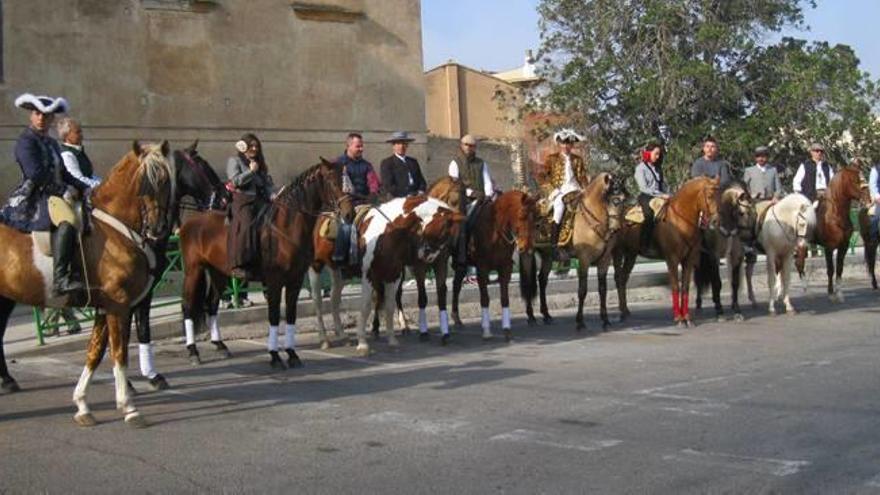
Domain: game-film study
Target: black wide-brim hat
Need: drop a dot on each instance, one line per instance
(42, 104)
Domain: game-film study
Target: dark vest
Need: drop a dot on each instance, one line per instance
(85, 165)
(470, 171)
(808, 185)
(357, 172)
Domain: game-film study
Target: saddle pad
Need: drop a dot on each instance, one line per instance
(43, 241)
(329, 227)
(872, 210)
(636, 215)
(360, 211)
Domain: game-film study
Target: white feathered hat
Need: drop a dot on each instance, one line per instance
(42, 104)
(567, 135)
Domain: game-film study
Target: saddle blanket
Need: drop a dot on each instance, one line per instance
(636, 215)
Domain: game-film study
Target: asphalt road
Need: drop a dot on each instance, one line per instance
(774, 404)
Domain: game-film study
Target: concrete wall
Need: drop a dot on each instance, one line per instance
(442, 150)
(213, 69)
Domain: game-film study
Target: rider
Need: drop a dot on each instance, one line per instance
(76, 161)
(649, 178)
(874, 188)
(761, 179)
(477, 183)
(814, 175)
(565, 172)
(360, 180)
(44, 175)
(251, 187)
(401, 174)
(709, 165)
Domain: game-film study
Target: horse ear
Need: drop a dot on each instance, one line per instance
(195, 145)
(608, 180)
(136, 147)
(324, 161)
(165, 147)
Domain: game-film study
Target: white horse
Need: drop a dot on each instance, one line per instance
(787, 226)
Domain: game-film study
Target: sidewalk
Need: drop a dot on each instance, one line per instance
(648, 281)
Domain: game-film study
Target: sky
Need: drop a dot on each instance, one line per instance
(495, 34)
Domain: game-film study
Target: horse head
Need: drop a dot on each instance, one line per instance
(155, 184)
(447, 189)
(196, 178)
(708, 199)
(614, 194)
(439, 232)
(517, 212)
(330, 191)
(847, 184)
(736, 211)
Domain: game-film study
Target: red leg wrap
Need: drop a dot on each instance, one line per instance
(676, 308)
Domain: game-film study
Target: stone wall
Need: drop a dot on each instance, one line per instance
(442, 150)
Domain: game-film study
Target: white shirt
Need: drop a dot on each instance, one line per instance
(488, 187)
(408, 173)
(72, 166)
(821, 180)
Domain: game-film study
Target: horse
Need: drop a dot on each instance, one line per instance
(784, 232)
(870, 243)
(677, 236)
(197, 181)
(498, 229)
(734, 229)
(285, 255)
(597, 218)
(389, 242)
(833, 225)
(116, 262)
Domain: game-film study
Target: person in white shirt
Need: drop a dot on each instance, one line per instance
(813, 176)
(76, 161)
(477, 183)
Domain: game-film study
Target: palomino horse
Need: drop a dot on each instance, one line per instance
(196, 180)
(129, 205)
(734, 227)
(598, 217)
(677, 235)
(833, 225)
(784, 232)
(498, 229)
(285, 254)
(389, 240)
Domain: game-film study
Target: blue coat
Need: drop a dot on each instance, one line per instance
(43, 175)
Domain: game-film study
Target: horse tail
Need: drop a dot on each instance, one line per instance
(528, 276)
(703, 272)
(197, 305)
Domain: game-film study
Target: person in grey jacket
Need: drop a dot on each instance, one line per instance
(649, 178)
(709, 165)
(251, 187)
(762, 179)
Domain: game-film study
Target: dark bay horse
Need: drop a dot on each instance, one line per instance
(833, 225)
(676, 239)
(285, 253)
(129, 206)
(499, 229)
(733, 229)
(598, 217)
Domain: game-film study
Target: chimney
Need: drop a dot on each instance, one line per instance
(529, 66)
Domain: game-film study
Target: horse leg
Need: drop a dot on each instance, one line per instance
(418, 272)
(786, 285)
(379, 291)
(543, 280)
(486, 321)
(398, 306)
(715, 278)
(623, 265)
(871, 261)
(841, 255)
(504, 289)
(8, 383)
(829, 266)
(672, 273)
(193, 287)
(388, 307)
(363, 347)
(273, 300)
(145, 346)
(457, 279)
(118, 328)
(530, 310)
(602, 269)
(315, 284)
(96, 349)
(735, 266)
(440, 267)
(687, 269)
(750, 271)
(771, 281)
(336, 301)
(219, 283)
(583, 274)
(291, 295)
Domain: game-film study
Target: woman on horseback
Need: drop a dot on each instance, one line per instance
(251, 187)
(649, 178)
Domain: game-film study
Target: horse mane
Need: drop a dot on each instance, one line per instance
(154, 165)
(294, 189)
(150, 169)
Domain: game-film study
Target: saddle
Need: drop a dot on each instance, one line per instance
(545, 223)
(635, 215)
(330, 227)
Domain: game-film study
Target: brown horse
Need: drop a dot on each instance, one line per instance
(498, 229)
(598, 217)
(870, 242)
(129, 206)
(677, 236)
(285, 255)
(833, 225)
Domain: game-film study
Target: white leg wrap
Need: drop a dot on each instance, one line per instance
(190, 331)
(290, 336)
(215, 328)
(146, 359)
(79, 393)
(423, 321)
(123, 400)
(444, 322)
(486, 320)
(505, 318)
(273, 338)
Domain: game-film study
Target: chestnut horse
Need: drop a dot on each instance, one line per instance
(677, 235)
(833, 225)
(598, 217)
(498, 229)
(129, 206)
(285, 255)
(870, 242)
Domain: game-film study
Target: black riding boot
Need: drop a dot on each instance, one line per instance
(645, 234)
(63, 244)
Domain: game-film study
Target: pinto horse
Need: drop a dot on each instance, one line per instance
(677, 236)
(598, 217)
(499, 228)
(285, 255)
(129, 206)
(833, 225)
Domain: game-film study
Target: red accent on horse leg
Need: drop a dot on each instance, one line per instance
(676, 311)
(685, 310)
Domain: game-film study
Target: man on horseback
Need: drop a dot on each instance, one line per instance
(814, 175)
(360, 180)
(251, 187)
(761, 179)
(477, 184)
(709, 165)
(401, 174)
(649, 178)
(565, 172)
(76, 161)
(44, 175)
(874, 189)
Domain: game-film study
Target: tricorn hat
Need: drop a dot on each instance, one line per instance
(42, 104)
(567, 136)
(400, 137)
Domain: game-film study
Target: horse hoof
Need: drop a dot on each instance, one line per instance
(158, 382)
(508, 335)
(690, 324)
(221, 349)
(720, 318)
(10, 385)
(275, 361)
(362, 350)
(532, 321)
(681, 324)
(791, 312)
(548, 320)
(405, 331)
(293, 360)
(85, 420)
(136, 420)
(488, 337)
(624, 315)
(444, 340)
(738, 317)
(424, 337)
(131, 389)
(375, 334)
(325, 345)
(194, 358)
(393, 342)
(606, 326)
